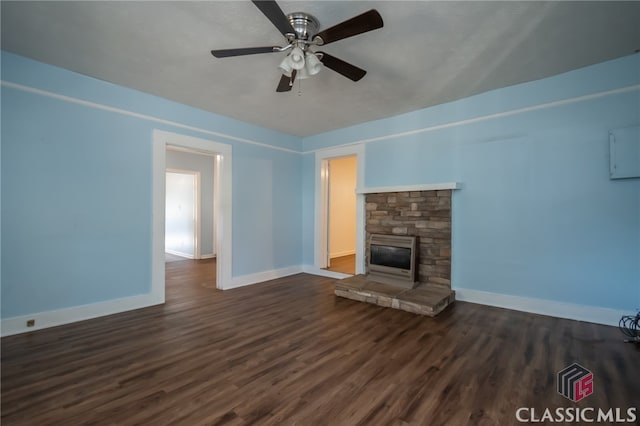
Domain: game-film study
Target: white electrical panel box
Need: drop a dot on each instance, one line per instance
(624, 149)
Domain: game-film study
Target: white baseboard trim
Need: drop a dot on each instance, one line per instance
(260, 277)
(57, 317)
(342, 253)
(594, 314)
(551, 308)
(208, 256)
(179, 253)
(310, 269)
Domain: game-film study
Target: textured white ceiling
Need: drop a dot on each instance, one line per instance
(427, 53)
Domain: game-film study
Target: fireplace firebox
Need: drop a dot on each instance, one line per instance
(392, 260)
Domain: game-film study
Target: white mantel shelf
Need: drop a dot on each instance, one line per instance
(406, 188)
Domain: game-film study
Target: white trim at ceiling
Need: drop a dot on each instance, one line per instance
(355, 142)
(137, 115)
(486, 117)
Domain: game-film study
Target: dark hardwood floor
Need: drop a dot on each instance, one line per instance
(288, 352)
(344, 264)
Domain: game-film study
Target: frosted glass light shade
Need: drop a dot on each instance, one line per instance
(286, 66)
(306, 64)
(297, 58)
(302, 74)
(312, 64)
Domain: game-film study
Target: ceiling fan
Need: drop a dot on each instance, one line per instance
(301, 33)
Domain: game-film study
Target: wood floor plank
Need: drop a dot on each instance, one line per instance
(344, 264)
(289, 352)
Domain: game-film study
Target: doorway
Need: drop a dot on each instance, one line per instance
(341, 214)
(203, 166)
(221, 155)
(326, 257)
(182, 214)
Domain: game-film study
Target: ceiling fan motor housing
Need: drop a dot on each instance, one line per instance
(305, 25)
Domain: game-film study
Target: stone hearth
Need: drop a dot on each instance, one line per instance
(424, 299)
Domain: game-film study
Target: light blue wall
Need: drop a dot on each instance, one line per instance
(272, 212)
(76, 189)
(76, 198)
(203, 164)
(537, 215)
(308, 213)
(18, 69)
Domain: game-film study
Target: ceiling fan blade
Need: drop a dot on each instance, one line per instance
(272, 11)
(225, 53)
(341, 67)
(286, 83)
(367, 21)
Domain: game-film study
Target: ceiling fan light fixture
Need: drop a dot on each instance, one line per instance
(286, 66)
(296, 58)
(302, 74)
(312, 64)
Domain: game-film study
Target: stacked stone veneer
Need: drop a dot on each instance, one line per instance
(426, 214)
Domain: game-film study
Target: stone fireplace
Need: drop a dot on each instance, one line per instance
(425, 214)
(418, 211)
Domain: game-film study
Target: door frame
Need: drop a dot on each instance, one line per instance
(222, 204)
(321, 216)
(197, 228)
